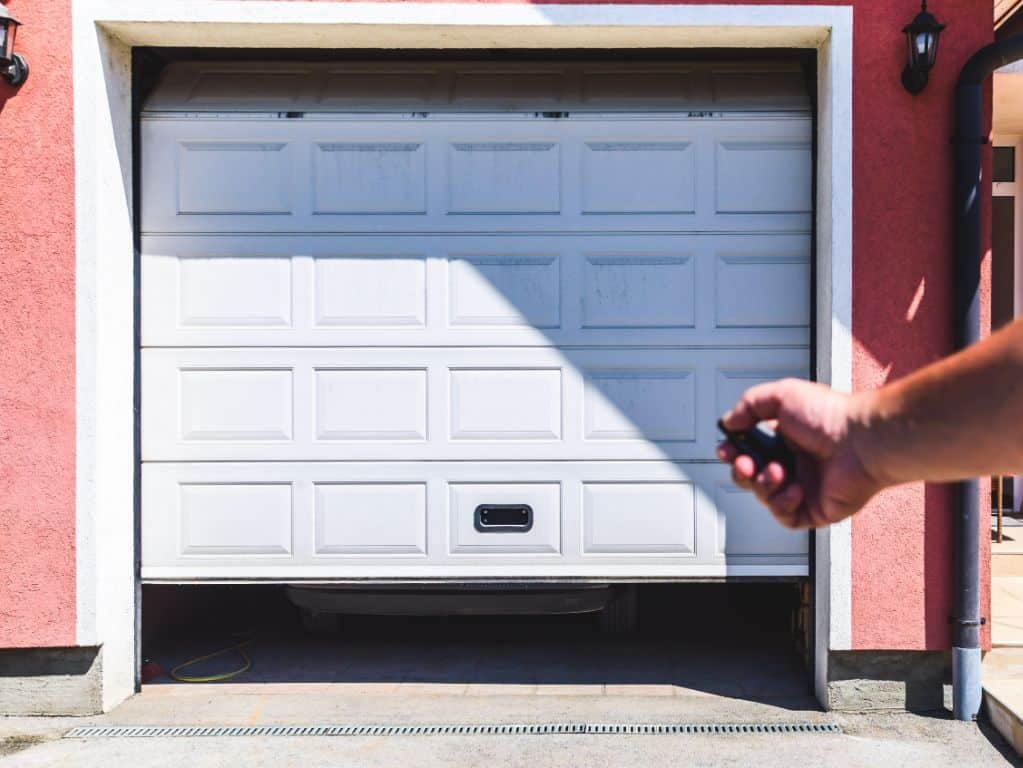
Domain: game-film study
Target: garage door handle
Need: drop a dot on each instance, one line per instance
(503, 518)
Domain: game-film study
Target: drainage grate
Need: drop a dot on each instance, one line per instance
(531, 729)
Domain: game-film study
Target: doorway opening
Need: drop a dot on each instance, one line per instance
(758, 623)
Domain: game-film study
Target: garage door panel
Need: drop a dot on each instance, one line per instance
(740, 532)
(640, 518)
(762, 291)
(353, 518)
(439, 173)
(219, 86)
(415, 520)
(234, 519)
(736, 377)
(369, 177)
(505, 290)
(638, 177)
(543, 537)
(395, 404)
(234, 405)
(505, 404)
(473, 290)
(369, 289)
(656, 405)
(764, 175)
(483, 170)
(360, 329)
(233, 292)
(638, 291)
(240, 177)
(370, 404)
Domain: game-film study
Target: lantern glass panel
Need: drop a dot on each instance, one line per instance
(922, 43)
(6, 40)
(932, 52)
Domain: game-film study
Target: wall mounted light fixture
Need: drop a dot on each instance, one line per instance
(13, 67)
(922, 36)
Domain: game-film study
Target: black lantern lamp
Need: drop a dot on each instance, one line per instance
(13, 67)
(922, 35)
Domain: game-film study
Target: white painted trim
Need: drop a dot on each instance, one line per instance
(104, 309)
(105, 30)
(834, 254)
(372, 25)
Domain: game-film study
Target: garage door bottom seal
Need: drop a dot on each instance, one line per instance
(532, 729)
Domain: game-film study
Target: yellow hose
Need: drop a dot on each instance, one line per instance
(240, 648)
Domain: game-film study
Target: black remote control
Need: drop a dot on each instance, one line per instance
(762, 447)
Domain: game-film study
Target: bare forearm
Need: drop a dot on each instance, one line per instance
(958, 418)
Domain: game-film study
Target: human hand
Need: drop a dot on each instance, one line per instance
(831, 479)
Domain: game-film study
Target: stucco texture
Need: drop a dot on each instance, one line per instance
(902, 565)
(37, 350)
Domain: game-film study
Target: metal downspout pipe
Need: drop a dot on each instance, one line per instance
(969, 140)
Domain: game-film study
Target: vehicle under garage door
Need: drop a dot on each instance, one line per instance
(465, 320)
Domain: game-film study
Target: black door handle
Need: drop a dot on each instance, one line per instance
(503, 518)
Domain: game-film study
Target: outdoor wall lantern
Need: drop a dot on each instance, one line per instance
(13, 67)
(922, 35)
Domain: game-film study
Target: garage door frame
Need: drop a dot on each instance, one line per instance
(107, 589)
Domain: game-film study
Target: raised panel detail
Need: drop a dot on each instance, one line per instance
(638, 292)
(370, 290)
(370, 404)
(360, 88)
(744, 527)
(499, 88)
(506, 404)
(630, 87)
(504, 177)
(236, 405)
(235, 519)
(648, 405)
(543, 537)
(732, 382)
(759, 88)
(252, 86)
(505, 290)
(367, 177)
(639, 518)
(764, 176)
(236, 177)
(370, 519)
(639, 177)
(759, 291)
(226, 291)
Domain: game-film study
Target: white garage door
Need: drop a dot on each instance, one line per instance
(465, 321)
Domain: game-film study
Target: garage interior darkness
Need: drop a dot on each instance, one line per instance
(734, 640)
(742, 636)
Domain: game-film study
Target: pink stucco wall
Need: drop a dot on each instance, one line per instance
(37, 337)
(901, 291)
